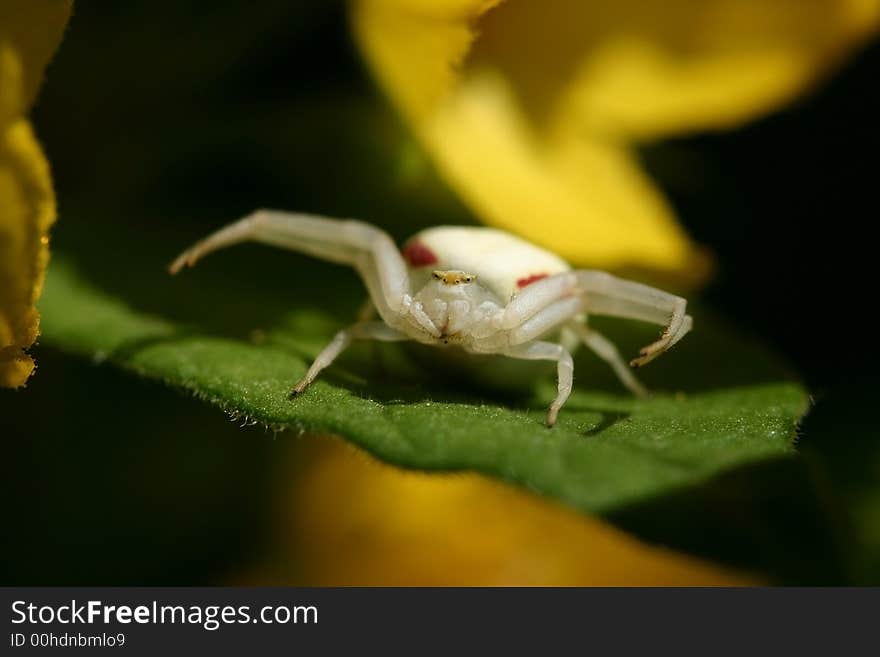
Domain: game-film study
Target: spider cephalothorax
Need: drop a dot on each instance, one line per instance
(479, 289)
(452, 277)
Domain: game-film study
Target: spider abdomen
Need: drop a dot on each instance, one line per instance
(502, 263)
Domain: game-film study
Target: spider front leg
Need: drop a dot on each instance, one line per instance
(608, 295)
(565, 313)
(361, 331)
(366, 248)
(600, 294)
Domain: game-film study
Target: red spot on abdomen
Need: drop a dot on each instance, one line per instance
(418, 255)
(528, 280)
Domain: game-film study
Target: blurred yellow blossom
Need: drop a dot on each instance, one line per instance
(30, 31)
(354, 521)
(532, 109)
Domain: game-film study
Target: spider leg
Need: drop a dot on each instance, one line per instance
(605, 349)
(564, 370)
(608, 295)
(361, 331)
(604, 294)
(546, 320)
(366, 248)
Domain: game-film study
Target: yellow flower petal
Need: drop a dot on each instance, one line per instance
(357, 521)
(587, 200)
(29, 32)
(530, 108)
(27, 210)
(650, 68)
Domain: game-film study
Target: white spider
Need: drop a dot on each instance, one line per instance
(479, 289)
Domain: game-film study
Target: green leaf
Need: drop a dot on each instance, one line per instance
(241, 328)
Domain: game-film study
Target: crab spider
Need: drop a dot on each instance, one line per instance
(478, 289)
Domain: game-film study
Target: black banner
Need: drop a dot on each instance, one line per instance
(285, 620)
